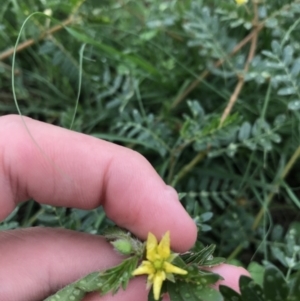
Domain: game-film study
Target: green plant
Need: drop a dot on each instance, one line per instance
(206, 90)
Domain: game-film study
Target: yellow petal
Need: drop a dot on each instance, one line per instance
(170, 268)
(158, 280)
(163, 248)
(241, 2)
(150, 278)
(145, 268)
(149, 281)
(151, 247)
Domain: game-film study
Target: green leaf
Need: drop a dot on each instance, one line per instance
(291, 194)
(199, 256)
(203, 257)
(90, 283)
(188, 293)
(181, 195)
(206, 216)
(173, 291)
(275, 286)
(66, 294)
(119, 276)
(245, 131)
(201, 277)
(214, 262)
(229, 294)
(195, 285)
(286, 91)
(183, 291)
(279, 255)
(276, 47)
(108, 281)
(113, 52)
(271, 23)
(296, 67)
(257, 272)
(294, 105)
(208, 294)
(192, 291)
(250, 291)
(294, 294)
(288, 53)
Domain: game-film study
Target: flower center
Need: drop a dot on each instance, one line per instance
(158, 264)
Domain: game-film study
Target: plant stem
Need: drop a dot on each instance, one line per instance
(286, 170)
(188, 167)
(9, 52)
(269, 199)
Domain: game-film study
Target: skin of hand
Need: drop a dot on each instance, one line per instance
(64, 168)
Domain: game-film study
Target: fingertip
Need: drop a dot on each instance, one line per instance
(138, 200)
(174, 218)
(231, 275)
(184, 236)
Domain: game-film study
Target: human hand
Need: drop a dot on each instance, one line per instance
(79, 171)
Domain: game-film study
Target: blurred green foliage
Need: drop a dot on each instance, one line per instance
(157, 78)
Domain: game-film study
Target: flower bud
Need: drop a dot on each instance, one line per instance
(123, 246)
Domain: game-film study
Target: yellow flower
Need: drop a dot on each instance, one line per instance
(158, 265)
(241, 2)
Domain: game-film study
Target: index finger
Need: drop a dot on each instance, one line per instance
(76, 170)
